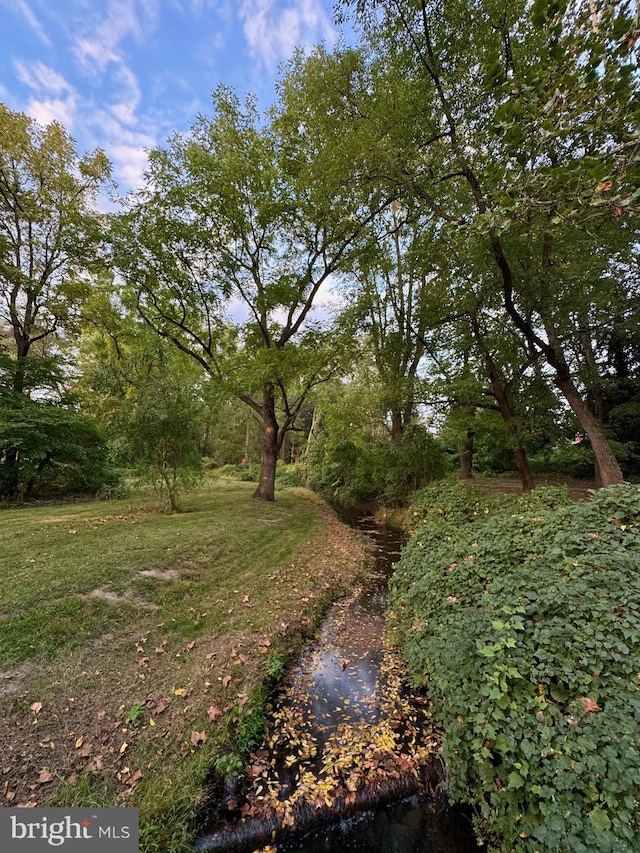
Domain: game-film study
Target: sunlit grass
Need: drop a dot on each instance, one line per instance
(101, 601)
(54, 558)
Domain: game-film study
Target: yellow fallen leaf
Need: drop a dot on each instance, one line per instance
(79, 742)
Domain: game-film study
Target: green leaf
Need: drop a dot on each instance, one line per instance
(599, 820)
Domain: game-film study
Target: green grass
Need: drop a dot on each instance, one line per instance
(52, 556)
(235, 570)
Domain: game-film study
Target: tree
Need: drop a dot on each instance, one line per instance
(523, 127)
(227, 248)
(147, 395)
(393, 303)
(49, 232)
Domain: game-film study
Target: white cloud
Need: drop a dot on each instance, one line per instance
(51, 109)
(273, 32)
(124, 18)
(41, 77)
(126, 146)
(27, 13)
(53, 98)
(125, 108)
(130, 163)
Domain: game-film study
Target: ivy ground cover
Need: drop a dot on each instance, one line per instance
(521, 618)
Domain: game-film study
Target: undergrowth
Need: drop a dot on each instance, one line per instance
(522, 619)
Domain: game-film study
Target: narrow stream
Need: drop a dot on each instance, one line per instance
(342, 709)
(410, 825)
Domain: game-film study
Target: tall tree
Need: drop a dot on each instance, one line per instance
(529, 125)
(243, 221)
(393, 303)
(49, 233)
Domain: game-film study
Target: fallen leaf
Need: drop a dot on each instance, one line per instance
(214, 713)
(46, 776)
(86, 750)
(36, 707)
(79, 742)
(123, 748)
(197, 738)
(190, 645)
(182, 692)
(132, 781)
(95, 765)
(589, 705)
(226, 680)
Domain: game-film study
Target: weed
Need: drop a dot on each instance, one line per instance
(134, 716)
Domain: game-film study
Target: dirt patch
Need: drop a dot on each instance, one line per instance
(112, 597)
(161, 574)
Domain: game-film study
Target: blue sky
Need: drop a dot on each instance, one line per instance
(122, 75)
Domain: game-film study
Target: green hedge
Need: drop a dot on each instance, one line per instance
(523, 622)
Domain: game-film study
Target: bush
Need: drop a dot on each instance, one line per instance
(452, 502)
(49, 450)
(525, 626)
(374, 469)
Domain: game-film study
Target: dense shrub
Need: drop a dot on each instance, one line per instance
(524, 625)
(49, 450)
(374, 468)
(452, 502)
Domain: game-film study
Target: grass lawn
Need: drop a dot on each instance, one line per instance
(135, 646)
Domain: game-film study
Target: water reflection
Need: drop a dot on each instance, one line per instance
(405, 827)
(344, 728)
(340, 677)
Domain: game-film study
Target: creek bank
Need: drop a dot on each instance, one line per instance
(347, 747)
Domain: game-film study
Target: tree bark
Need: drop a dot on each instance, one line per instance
(466, 464)
(397, 423)
(271, 443)
(500, 392)
(607, 471)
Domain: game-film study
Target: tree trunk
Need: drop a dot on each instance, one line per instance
(519, 454)
(500, 392)
(607, 471)
(466, 464)
(10, 473)
(522, 466)
(271, 442)
(397, 423)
